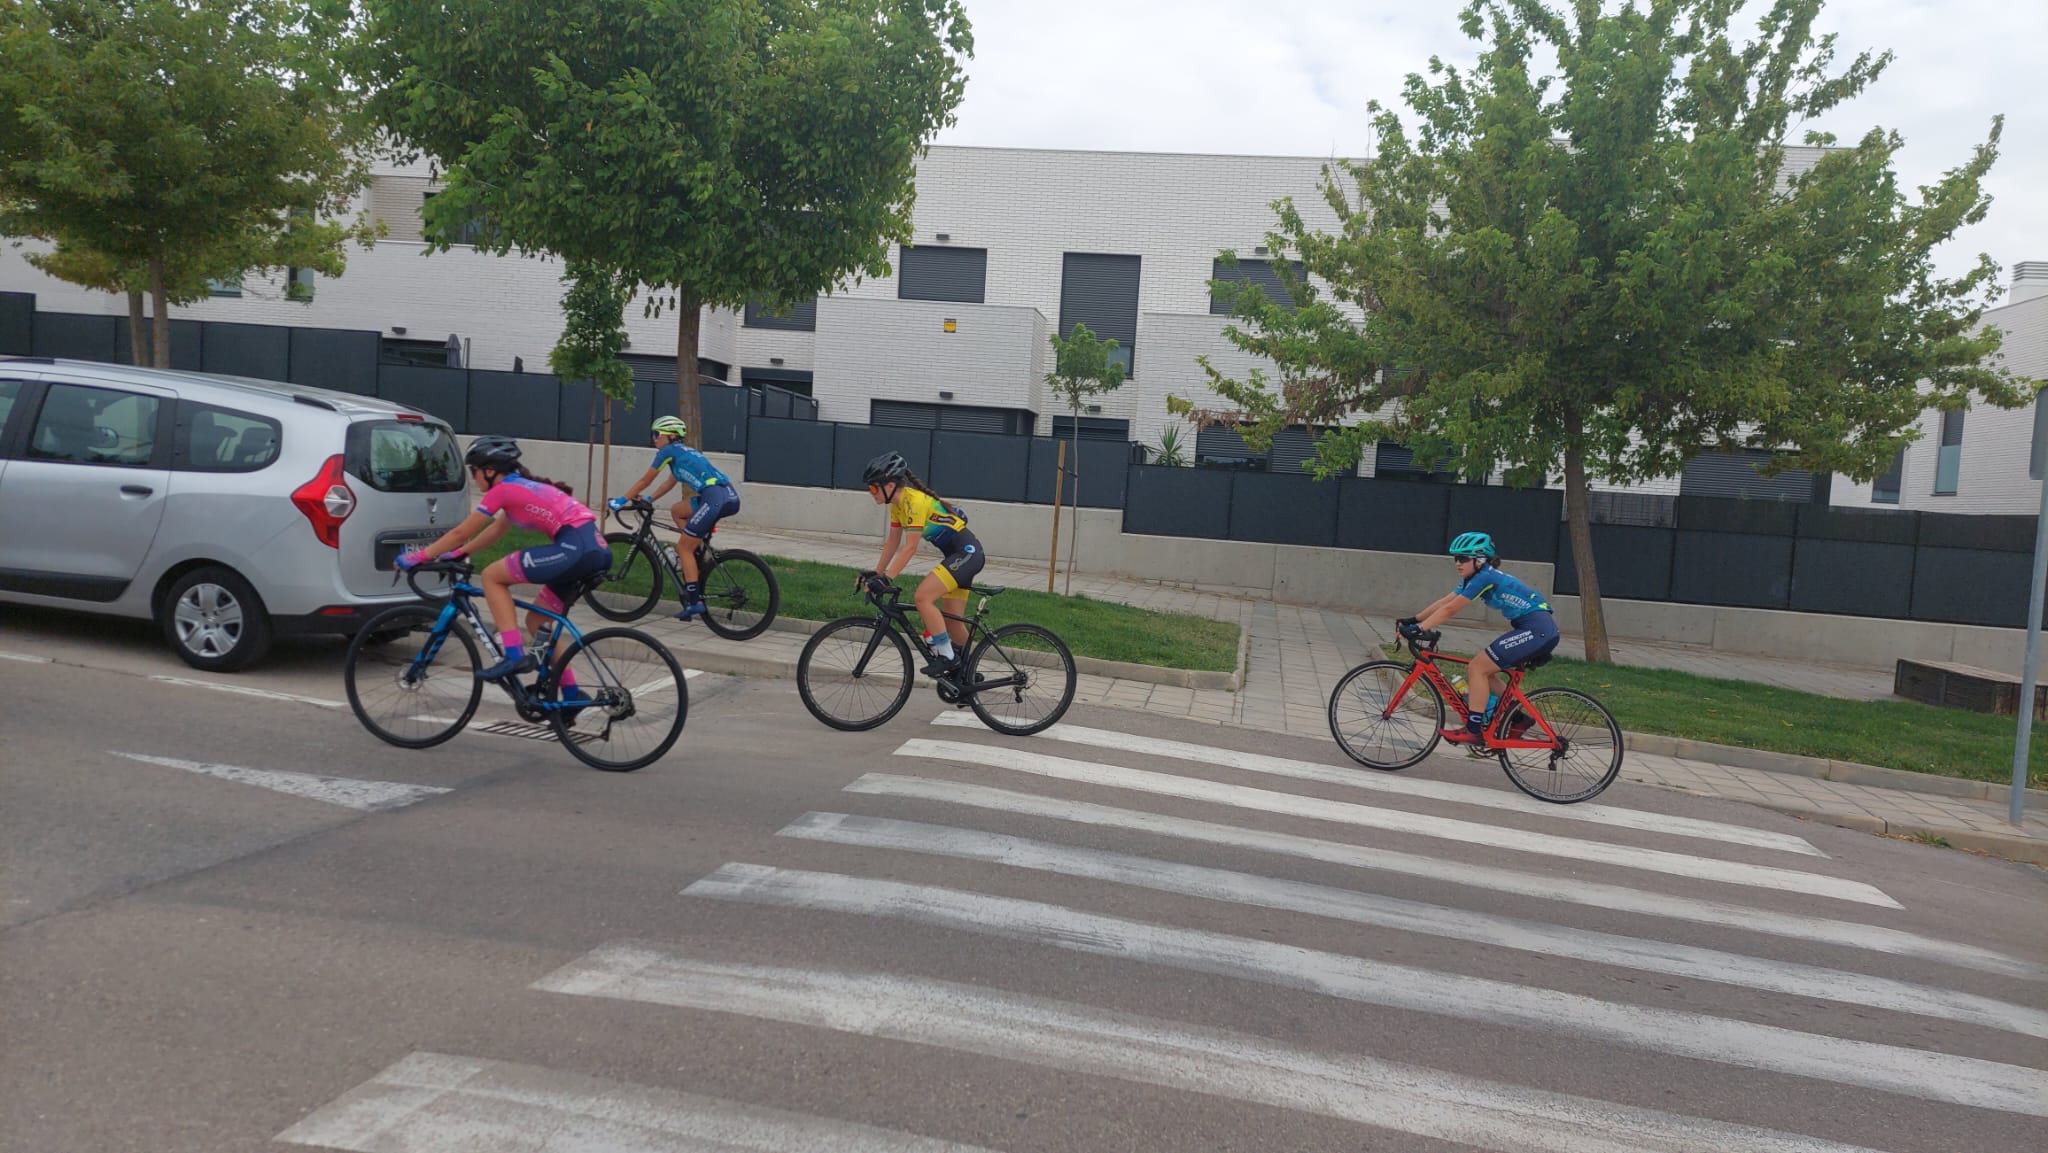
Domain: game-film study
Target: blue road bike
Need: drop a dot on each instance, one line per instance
(411, 677)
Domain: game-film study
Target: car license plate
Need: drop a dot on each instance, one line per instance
(391, 544)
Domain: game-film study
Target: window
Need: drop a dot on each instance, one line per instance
(955, 417)
(1948, 459)
(787, 379)
(224, 288)
(942, 273)
(1101, 291)
(1393, 461)
(798, 318)
(1885, 489)
(10, 391)
(1256, 272)
(404, 456)
(469, 231)
(96, 426)
(416, 353)
(298, 284)
(1220, 446)
(210, 439)
(1093, 428)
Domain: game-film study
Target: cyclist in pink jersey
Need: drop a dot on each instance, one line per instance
(514, 498)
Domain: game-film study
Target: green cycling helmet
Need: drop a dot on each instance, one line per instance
(671, 426)
(1474, 544)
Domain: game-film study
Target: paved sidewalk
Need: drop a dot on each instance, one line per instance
(1295, 655)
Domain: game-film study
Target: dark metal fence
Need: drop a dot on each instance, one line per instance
(533, 405)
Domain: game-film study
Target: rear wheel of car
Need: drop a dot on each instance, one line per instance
(215, 621)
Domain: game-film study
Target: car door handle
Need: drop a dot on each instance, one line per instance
(136, 489)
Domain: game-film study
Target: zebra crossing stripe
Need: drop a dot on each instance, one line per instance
(436, 1103)
(1910, 1072)
(1233, 1066)
(1849, 934)
(1354, 778)
(1416, 824)
(1700, 964)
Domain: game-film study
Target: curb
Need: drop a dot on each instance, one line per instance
(1093, 666)
(2026, 850)
(1844, 772)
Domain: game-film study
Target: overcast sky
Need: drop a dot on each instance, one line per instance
(1293, 77)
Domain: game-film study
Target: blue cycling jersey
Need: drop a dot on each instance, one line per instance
(689, 466)
(1504, 594)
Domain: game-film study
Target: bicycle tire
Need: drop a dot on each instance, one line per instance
(1063, 676)
(1358, 707)
(380, 658)
(737, 606)
(613, 600)
(620, 696)
(1585, 726)
(850, 637)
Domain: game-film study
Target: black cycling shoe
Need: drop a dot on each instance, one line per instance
(941, 668)
(508, 668)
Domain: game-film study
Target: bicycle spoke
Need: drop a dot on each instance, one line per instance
(638, 700)
(405, 686)
(1027, 678)
(1582, 760)
(1374, 727)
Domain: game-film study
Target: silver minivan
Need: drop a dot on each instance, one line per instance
(229, 510)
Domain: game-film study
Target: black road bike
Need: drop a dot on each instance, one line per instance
(740, 594)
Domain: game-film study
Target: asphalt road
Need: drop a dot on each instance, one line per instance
(931, 937)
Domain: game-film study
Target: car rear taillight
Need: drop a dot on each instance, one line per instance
(326, 501)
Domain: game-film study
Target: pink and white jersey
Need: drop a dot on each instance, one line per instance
(541, 507)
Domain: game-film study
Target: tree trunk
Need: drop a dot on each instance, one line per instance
(690, 403)
(138, 333)
(606, 494)
(1578, 514)
(161, 326)
(1059, 476)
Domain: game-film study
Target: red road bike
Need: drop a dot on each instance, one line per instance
(1556, 744)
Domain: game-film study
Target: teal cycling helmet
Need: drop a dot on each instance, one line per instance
(1474, 544)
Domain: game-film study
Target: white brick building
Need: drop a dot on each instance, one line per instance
(1010, 245)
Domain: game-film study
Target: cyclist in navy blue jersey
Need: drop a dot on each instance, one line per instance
(1532, 630)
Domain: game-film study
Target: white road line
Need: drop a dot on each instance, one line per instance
(1356, 778)
(1645, 955)
(1910, 1072)
(434, 1103)
(25, 658)
(1415, 824)
(367, 796)
(246, 691)
(1188, 1058)
(1521, 882)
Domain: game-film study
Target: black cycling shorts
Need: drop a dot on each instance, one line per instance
(958, 569)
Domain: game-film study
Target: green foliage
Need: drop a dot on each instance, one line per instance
(1082, 366)
(710, 150)
(201, 140)
(594, 332)
(1170, 452)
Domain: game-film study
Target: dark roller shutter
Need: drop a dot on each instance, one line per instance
(1259, 272)
(1291, 447)
(959, 274)
(651, 369)
(903, 414)
(1734, 474)
(1093, 428)
(1220, 446)
(800, 318)
(1101, 292)
(954, 417)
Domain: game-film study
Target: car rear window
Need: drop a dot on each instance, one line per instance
(404, 456)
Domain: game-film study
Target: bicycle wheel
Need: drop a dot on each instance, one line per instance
(1376, 730)
(740, 595)
(639, 700)
(854, 674)
(633, 585)
(1587, 755)
(408, 687)
(1040, 675)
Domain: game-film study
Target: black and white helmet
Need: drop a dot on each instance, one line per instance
(885, 468)
(497, 453)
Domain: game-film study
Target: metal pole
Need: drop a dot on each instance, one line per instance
(2032, 673)
(1059, 473)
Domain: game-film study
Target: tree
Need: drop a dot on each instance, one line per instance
(713, 151)
(160, 144)
(1083, 366)
(1605, 272)
(593, 335)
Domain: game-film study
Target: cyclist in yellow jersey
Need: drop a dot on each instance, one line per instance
(916, 512)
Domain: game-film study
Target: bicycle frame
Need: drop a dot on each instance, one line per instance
(893, 614)
(1425, 668)
(706, 554)
(461, 602)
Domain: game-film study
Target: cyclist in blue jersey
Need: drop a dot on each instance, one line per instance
(713, 498)
(1532, 631)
